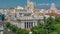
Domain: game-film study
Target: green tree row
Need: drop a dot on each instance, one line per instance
(50, 26)
(16, 29)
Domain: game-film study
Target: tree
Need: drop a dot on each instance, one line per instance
(45, 28)
(5, 33)
(49, 25)
(57, 24)
(18, 31)
(8, 24)
(21, 31)
(14, 28)
(39, 22)
(39, 29)
(57, 19)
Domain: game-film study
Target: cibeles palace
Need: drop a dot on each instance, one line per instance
(28, 16)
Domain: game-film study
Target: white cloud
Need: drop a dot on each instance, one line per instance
(43, 4)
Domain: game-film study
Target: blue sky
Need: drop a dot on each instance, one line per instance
(13, 3)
